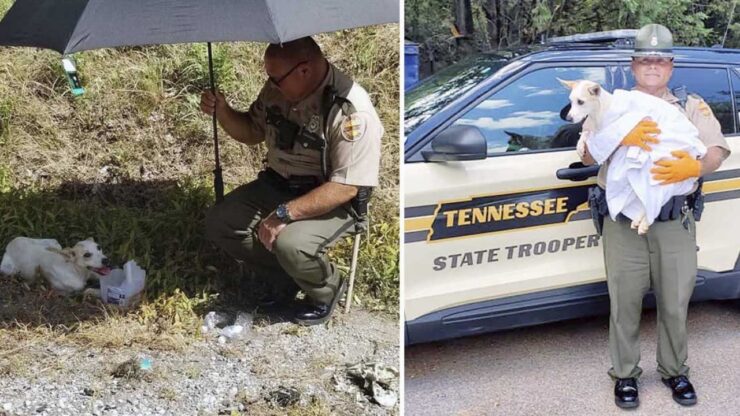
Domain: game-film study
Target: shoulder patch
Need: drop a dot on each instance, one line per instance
(353, 127)
(694, 101)
(704, 109)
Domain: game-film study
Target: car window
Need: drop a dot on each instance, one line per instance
(525, 115)
(436, 92)
(709, 83)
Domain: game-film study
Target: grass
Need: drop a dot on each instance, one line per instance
(130, 162)
(295, 330)
(15, 365)
(169, 394)
(32, 316)
(314, 406)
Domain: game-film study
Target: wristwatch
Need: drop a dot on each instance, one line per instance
(283, 214)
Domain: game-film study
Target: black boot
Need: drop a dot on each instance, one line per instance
(683, 391)
(625, 393)
(319, 313)
(277, 294)
(274, 298)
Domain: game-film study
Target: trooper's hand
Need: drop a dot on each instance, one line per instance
(676, 170)
(269, 229)
(210, 101)
(642, 134)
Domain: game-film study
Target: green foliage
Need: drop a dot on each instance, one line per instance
(427, 18)
(510, 23)
(160, 227)
(724, 17)
(175, 310)
(541, 16)
(429, 23)
(193, 72)
(4, 180)
(130, 162)
(5, 111)
(378, 260)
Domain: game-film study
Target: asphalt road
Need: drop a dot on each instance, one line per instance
(560, 369)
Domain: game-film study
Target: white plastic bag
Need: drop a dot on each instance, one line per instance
(122, 285)
(212, 320)
(240, 329)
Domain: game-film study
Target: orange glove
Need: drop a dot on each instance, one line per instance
(676, 170)
(642, 134)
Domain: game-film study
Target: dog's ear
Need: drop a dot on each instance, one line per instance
(67, 253)
(568, 84)
(594, 90)
(90, 239)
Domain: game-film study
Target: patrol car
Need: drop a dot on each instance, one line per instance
(497, 230)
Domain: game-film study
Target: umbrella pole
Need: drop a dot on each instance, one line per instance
(218, 180)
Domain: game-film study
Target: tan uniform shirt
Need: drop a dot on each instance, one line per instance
(353, 145)
(698, 112)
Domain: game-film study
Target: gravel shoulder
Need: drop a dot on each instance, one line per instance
(276, 368)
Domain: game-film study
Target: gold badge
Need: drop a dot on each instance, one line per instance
(353, 127)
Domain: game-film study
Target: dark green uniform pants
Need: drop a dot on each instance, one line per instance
(299, 253)
(664, 259)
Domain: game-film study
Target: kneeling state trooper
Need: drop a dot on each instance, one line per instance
(665, 258)
(323, 140)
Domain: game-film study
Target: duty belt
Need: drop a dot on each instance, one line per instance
(295, 184)
(673, 209)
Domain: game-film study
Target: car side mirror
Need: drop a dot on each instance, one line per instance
(457, 143)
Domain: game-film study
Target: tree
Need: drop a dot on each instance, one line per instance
(464, 17)
(496, 24)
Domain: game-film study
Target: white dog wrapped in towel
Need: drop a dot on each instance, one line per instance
(630, 187)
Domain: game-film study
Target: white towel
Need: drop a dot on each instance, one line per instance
(629, 184)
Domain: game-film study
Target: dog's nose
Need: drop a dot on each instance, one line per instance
(569, 118)
(106, 261)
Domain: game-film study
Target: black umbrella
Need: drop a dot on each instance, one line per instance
(69, 26)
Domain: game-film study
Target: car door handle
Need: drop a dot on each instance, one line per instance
(577, 172)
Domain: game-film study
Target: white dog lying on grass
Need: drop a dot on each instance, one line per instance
(630, 188)
(67, 270)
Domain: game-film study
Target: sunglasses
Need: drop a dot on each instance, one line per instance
(276, 82)
(644, 60)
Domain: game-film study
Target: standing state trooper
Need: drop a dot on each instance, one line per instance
(664, 258)
(323, 156)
